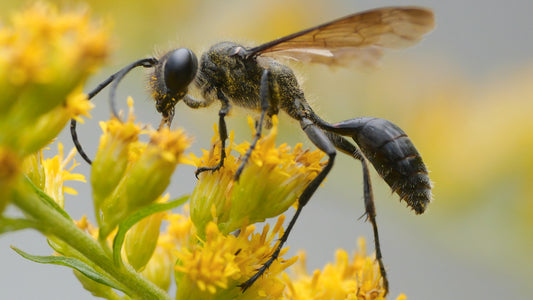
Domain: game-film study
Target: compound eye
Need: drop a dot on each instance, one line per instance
(180, 69)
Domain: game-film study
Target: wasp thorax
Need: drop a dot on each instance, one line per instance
(179, 70)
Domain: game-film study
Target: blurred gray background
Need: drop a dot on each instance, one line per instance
(462, 95)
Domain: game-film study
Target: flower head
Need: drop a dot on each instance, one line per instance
(128, 174)
(180, 231)
(358, 278)
(155, 165)
(272, 180)
(213, 267)
(50, 174)
(114, 154)
(45, 56)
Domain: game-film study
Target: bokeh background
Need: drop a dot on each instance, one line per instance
(464, 95)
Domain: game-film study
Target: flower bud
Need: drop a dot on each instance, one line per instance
(141, 240)
(146, 178)
(113, 155)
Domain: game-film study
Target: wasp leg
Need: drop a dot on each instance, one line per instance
(196, 103)
(223, 134)
(319, 138)
(346, 147)
(265, 96)
(147, 63)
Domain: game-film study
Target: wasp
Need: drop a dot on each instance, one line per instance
(252, 77)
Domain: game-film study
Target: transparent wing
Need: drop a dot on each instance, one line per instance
(360, 36)
(360, 57)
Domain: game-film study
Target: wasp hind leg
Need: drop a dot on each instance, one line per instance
(346, 147)
(319, 138)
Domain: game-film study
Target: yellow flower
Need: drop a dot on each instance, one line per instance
(128, 174)
(56, 173)
(180, 231)
(77, 105)
(149, 176)
(113, 155)
(215, 266)
(85, 225)
(270, 183)
(47, 126)
(51, 173)
(358, 278)
(45, 56)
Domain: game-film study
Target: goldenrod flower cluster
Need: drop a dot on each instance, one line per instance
(207, 254)
(128, 174)
(357, 278)
(272, 172)
(45, 56)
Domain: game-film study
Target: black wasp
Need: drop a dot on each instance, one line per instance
(251, 78)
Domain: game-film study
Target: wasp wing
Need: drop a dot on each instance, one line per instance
(360, 36)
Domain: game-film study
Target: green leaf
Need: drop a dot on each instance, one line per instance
(8, 224)
(47, 199)
(73, 263)
(142, 213)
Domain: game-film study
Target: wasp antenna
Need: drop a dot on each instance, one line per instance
(73, 122)
(146, 62)
(74, 135)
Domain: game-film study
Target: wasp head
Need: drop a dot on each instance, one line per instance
(171, 78)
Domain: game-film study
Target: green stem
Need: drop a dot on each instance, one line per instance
(54, 223)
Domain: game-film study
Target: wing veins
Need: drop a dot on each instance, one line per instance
(390, 27)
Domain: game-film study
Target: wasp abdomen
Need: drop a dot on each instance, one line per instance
(394, 157)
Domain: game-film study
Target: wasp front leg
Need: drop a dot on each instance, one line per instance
(223, 135)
